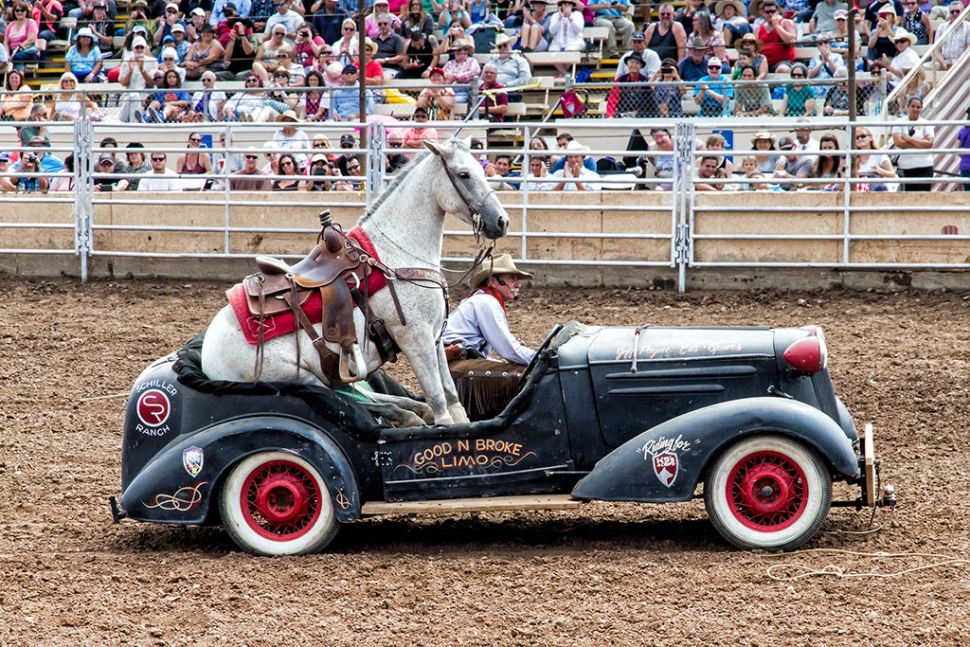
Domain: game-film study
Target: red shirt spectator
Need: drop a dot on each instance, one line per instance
(496, 104)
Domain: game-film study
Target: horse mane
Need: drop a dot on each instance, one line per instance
(408, 168)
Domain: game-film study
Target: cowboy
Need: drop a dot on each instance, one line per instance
(512, 69)
(479, 326)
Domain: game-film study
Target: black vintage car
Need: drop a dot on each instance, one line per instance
(643, 414)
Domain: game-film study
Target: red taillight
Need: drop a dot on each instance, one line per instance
(809, 354)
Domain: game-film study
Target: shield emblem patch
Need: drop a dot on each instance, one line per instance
(666, 466)
(192, 460)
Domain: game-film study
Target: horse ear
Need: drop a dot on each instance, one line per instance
(433, 147)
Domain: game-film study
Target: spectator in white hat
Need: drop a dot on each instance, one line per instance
(906, 57)
(83, 59)
(163, 24)
(137, 73)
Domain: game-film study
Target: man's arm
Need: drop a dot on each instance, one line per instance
(495, 329)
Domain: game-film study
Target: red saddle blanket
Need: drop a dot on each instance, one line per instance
(275, 326)
(285, 323)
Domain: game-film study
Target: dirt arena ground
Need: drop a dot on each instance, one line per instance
(610, 575)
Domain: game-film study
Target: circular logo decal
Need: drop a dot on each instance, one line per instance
(154, 407)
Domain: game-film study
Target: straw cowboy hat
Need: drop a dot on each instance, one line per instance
(289, 115)
(739, 7)
(575, 147)
(902, 33)
(748, 39)
(501, 264)
(764, 134)
(501, 39)
(370, 46)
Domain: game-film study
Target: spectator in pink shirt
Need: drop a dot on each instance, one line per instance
(419, 133)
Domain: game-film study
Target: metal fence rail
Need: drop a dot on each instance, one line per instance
(619, 226)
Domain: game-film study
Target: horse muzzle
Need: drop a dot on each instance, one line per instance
(493, 219)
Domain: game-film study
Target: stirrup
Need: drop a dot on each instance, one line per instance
(352, 364)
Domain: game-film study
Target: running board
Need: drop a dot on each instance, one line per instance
(490, 504)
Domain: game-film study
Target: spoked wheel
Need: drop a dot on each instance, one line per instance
(275, 503)
(768, 492)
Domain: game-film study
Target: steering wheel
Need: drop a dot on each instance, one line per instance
(535, 358)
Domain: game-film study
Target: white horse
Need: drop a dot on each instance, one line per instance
(406, 227)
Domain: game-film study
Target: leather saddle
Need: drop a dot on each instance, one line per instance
(331, 268)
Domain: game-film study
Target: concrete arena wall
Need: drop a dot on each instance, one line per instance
(622, 212)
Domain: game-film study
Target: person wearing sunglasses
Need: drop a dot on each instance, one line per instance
(778, 35)
(870, 162)
(161, 178)
(957, 38)
(916, 22)
(346, 48)
(195, 161)
(714, 92)
(390, 47)
(250, 177)
(137, 73)
(906, 57)
(21, 37)
(73, 105)
(286, 17)
(799, 96)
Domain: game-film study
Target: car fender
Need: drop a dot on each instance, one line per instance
(665, 463)
(178, 484)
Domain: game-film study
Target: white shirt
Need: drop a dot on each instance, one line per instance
(586, 177)
(167, 181)
(291, 20)
(536, 183)
(904, 61)
(921, 131)
(480, 321)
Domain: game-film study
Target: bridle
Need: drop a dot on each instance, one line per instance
(474, 206)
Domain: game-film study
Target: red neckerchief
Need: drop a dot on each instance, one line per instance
(495, 293)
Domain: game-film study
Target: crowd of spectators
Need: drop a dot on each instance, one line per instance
(305, 55)
(299, 61)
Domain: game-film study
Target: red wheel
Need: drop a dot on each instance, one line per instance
(276, 503)
(768, 492)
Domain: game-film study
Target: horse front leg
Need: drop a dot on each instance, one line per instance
(424, 360)
(455, 407)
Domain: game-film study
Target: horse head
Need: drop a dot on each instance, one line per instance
(472, 199)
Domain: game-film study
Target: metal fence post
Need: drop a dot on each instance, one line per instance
(83, 193)
(682, 198)
(375, 162)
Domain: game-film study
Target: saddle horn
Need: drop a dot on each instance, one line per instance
(330, 234)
